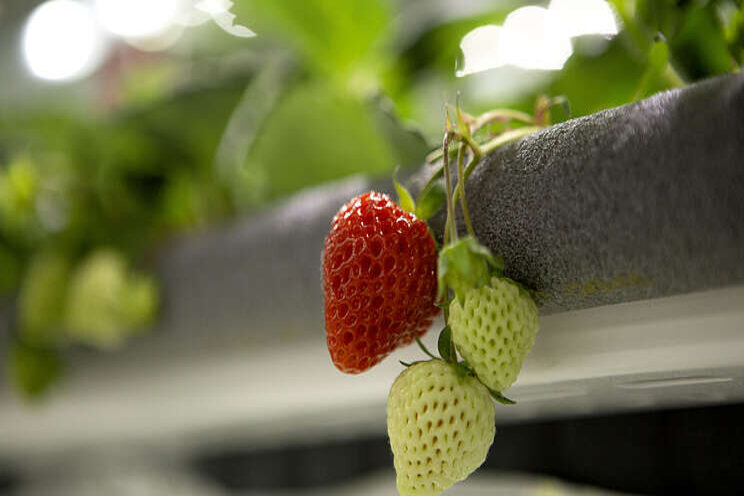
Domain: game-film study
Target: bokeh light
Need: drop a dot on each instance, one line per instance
(534, 37)
(137, 18)
(61, 40)
(531, 40)
(480, 48)
(583, 17)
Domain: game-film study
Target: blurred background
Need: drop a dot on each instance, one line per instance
(134, 133)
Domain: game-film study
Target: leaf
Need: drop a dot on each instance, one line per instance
(497, 267)
(423, 348)
(336, 37)
(466, 264)
(444, 303)
(497, 262)
(614, 76)
(658, 58)
(405, 200)
(501, 398)
(331, 134)
(464, 369)
(431, 200)
(447, 119)
(32, 369)
(544, 113)
(445, 345)
(408, 144)
(42, 298)
(700, 47)
(462, 126)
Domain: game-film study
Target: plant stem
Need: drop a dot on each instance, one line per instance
(506, 138)
(642, 43)
(501, 115)
(493, 144)
(461, 188)
(423, 347)
(450, 232)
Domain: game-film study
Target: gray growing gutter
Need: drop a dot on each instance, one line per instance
(636, 202)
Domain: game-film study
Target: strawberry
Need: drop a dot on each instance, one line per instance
(441, 425)
(494, 329)
(379, 281)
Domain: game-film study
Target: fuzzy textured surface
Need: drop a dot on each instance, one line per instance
(440, 426)
(379, 281)
(494, 330)
(631, 203)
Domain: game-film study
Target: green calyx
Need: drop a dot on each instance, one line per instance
(405, 199)
(448, 353)
(429, 201)
(465, 264)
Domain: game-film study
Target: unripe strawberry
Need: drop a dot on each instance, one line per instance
(379, 281)
(440, 424)
(107, 302)
(494, 330)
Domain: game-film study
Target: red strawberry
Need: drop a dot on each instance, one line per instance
(379, 281)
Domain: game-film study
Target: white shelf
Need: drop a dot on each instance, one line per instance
(677, 351)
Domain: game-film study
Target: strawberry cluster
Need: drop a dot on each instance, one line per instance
(383, 284)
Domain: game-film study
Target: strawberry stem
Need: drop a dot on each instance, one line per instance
(423, 348)
(461, 188)
(450, 231)
(500, 397)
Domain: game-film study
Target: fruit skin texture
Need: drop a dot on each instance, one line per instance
(440, 425)
(494, 330)
(379, 281)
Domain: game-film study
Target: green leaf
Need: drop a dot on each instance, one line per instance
(408, 144)
(337, 37)
(431, 200)
(562, 102)
(445, 345)
(316, 133)
(462, 126)
(464, 369)
(497, 262)
(32, 369)
(700, 47)
(444, 302)
(501, 398)
(614, 76)
(448, 119)
(42, 298)
(405, 200)
(466, 264)
(658, 58)
(497, 267)
(423, 348)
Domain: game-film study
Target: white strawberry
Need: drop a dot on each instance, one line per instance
(441, 425)
(494, 329)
